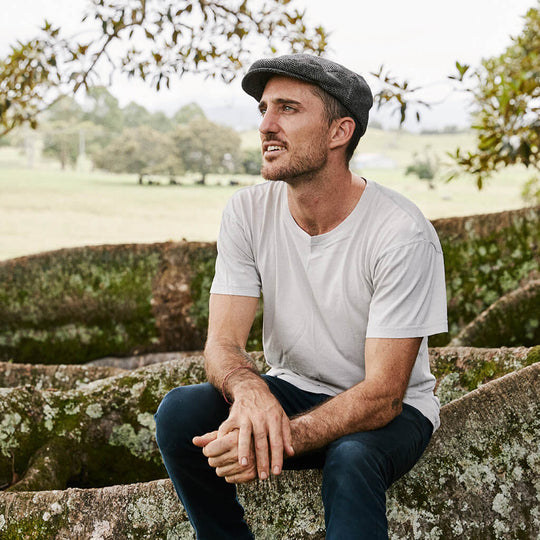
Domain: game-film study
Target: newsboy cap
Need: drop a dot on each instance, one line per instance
(349, 88)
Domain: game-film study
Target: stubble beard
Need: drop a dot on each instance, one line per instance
(297, 169)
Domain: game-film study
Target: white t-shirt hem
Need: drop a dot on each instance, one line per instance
(406, 332)
(234, 291)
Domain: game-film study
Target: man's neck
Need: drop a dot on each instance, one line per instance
(321, 204)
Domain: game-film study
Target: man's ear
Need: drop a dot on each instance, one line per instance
(342, 132)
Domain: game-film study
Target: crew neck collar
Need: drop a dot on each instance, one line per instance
(342, 229)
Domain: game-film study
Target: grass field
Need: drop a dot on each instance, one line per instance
(44, 208)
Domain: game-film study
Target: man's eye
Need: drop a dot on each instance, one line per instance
(262, 112)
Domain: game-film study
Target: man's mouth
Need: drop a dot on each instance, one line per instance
(272, 148)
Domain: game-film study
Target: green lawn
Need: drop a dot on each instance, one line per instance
(44, 208)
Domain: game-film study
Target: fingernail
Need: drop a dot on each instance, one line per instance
(244, 461)
(263, 476)
(276, 470)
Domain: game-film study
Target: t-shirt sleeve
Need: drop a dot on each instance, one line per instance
(236, 272)
(409, 293)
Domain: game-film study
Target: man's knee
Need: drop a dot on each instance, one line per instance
(187, 411)
(351, 459)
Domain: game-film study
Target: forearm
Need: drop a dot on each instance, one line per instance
(230, 320)
(363, 407)
(222, 357)
(262, 427)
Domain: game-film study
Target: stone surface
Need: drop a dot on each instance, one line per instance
(477, 479)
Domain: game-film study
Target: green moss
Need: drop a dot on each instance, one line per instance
(30, 528)
(533, 356)
(485, 262)
(75, 305)
(203, 267)
(473, 377)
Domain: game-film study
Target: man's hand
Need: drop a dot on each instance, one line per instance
(222, 454)
(262, 426)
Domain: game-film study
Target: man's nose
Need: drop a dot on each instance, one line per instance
(269, 123)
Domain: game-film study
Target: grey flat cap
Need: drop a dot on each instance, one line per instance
(349, 88)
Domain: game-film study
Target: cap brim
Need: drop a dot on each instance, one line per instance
(254, 82)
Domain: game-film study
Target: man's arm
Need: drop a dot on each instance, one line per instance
(255, 413)
(368, 405)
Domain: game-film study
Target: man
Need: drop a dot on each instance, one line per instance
(353, 282)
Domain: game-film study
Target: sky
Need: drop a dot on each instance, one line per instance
(419, 40)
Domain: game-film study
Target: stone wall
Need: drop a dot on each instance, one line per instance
(477, 479)
(75, 305)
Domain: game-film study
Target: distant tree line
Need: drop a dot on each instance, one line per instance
(132, 139)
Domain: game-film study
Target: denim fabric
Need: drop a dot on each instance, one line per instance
(357, 468)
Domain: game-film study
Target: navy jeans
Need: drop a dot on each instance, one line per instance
(357, 468)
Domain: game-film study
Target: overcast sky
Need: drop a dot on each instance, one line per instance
(416, 39)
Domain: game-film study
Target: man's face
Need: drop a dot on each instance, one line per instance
(294, 131)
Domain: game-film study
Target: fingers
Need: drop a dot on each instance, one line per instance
(260, 442)
(263, 436)
(202, 440)
(244, 444)
(287, 437)
(280, 438)
(222, 447)
(275, 438)
(222, 454)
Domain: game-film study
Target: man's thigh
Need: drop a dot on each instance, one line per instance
(393, 449)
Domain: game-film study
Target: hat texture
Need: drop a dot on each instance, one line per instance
(349, 88)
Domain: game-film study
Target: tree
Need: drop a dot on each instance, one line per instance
(251, 161)
(206, 147)
(153, 40)
(425, 167)
(189, 112)
(61, 131)
(140, 150)
(506, 94)
(135, 115)
(102, 108)
(62, 143)
(505, 91)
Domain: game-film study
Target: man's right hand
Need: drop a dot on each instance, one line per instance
(255, 413)
(258, 416)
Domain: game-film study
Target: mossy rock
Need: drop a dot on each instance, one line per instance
(478, 479)
(486, 256)
(76, 305)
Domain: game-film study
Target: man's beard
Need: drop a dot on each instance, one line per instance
(298, 168)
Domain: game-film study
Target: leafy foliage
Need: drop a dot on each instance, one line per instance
(28, 78)
(141, 150)
(73, 305)
(397, 94)
(486, 257)
(206, 147)
(155, 40)
(189, 112)
(424, 166)
(506, 93)
(251, 159)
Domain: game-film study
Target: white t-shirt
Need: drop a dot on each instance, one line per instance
(378, 274)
